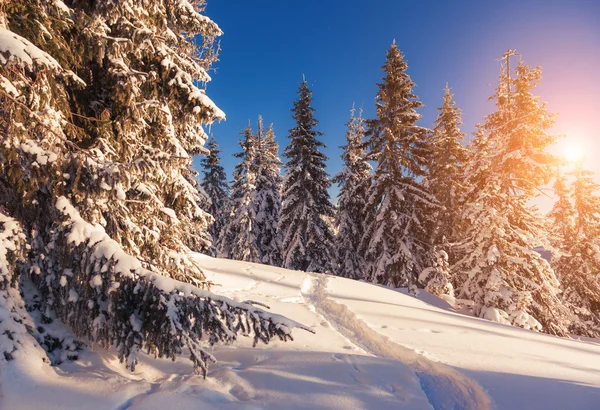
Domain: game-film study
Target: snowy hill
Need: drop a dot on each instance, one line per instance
(374, 348)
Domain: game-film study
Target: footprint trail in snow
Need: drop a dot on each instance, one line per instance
(445, 387)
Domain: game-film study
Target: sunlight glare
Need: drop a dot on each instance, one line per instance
(572, 151)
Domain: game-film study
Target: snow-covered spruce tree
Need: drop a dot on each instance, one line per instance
(354, 182)
(238, 237)
(561, 217)
(214, 183)
(445, 170)
(498, 268)
(267, 197)
(306, 234)
(578, 263)
(445, 181)
(100, 114)
(395, 244)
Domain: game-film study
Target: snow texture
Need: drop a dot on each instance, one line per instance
(15, 49)
(375, 348)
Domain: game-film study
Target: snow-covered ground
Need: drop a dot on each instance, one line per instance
(374, 348)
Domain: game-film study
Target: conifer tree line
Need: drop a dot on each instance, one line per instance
(424, 208)
(252, 212)
(281, 221)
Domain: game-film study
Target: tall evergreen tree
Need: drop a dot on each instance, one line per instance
(306, 234)
(354, 182)
(214, 183)
(445, 170)
(239, 239)
(101, 113)
(445, 181)
(499, 270)
(395, 243)
(267, 198)
(562, 214)
(578, 264)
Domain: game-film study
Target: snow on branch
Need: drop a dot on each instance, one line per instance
(14, 320)
(15, 49)
(132, 307)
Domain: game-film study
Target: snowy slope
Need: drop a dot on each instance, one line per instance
(374, 348)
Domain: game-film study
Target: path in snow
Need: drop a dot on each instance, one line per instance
(375, 348)
(445, 387)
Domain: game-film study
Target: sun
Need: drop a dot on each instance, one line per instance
(572, 151)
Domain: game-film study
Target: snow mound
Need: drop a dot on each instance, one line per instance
(374, 348)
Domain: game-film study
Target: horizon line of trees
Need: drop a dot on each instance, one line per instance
(419, 208)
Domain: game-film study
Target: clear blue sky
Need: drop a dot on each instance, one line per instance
(340, 46)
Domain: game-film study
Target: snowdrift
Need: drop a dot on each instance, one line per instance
(374, 348)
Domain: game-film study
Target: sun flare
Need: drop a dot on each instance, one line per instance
(572, 151)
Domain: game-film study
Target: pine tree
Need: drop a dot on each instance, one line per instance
(214, 183)
(306, 234)
(578, 264)
(251, 231)
(499, 270)
(445, 171)
(562, 213)
(100, 116)
(395, 243)
(445, 180)
(354, 182)
(239, 239)
(267, 198)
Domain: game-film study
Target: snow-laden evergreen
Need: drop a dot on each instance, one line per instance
(437, 278)
(148, 114)
(559, 221)
(35, 137)
(498, 270)
(251, 231)
(306, 209)
(14, 320)
(354, 182)
(445, 180)
(561, 217)
(101, 113)
(216, 189)
(267, 197)
(395, 244)
(577, 220)
(239, 238)
(445, 170)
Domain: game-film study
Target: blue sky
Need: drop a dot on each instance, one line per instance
(340, 46)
